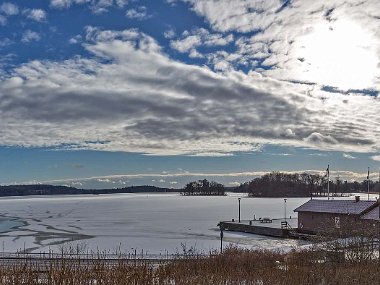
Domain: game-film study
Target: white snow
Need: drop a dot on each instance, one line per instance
(156, 223)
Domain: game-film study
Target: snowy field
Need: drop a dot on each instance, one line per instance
(155, 223)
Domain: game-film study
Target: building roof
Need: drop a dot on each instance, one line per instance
(372, 215)
(336, 206)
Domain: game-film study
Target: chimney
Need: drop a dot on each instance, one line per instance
(357, 198)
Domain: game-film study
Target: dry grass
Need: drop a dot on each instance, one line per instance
(234, 266)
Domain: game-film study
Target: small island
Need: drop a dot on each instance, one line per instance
(204, 188)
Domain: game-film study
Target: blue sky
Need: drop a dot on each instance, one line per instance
(111, 93)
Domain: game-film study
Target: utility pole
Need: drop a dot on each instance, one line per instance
(239, 208)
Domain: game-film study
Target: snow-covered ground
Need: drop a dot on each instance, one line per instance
(155, 223)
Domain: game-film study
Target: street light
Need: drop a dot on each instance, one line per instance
(239, 208)
(285, 209)
(221, 239)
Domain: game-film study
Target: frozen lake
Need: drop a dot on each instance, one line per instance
(156, 223)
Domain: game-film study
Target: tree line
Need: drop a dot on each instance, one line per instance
(279, 184)
(41, 189)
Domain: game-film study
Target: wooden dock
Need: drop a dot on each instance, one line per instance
(268, 227)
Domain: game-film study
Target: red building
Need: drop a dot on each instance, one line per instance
(328, 216)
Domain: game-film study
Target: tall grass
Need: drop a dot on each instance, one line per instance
(234, 266)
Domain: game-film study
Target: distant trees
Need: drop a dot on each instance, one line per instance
(204, 187)
(279, 184)
(40, 189)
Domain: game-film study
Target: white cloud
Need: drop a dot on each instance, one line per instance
(66, 3)
(186, 44)
(9, 9)
(140, 100)
(121, 3)
(171, 2)
(375, 157)
(280, 154)
(289, 133)
(318, 139)
(243, 16)
(334, 43)
(101, 6)
(106, 180)
(191, 40)
(139, 13)
(169, 34)
(348, 156)
(318, 154)
(75, 40)
(38, 15)
(122, 182)
(195, 54)
(30, 36)
(96, 6)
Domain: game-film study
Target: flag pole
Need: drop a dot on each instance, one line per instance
(368, 183)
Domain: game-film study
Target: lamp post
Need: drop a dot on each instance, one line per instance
(285, 209)
(239, 208)
(221, 239)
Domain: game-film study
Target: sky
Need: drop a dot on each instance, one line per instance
(114, 93)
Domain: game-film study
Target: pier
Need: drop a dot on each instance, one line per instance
(279, 228)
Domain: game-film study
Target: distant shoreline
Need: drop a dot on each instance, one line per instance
(46, 190)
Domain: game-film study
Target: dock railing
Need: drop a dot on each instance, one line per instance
(286, 226)
(107, 257)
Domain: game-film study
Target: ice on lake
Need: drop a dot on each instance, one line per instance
(155, 223)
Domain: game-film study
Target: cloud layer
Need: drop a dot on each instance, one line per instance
(131, 96)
